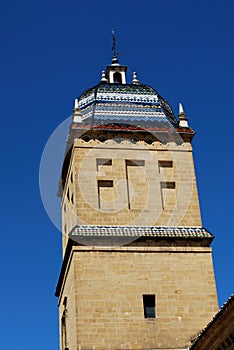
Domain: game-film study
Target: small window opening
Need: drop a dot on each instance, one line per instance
(63, 325)
(72, 199)
(105, 183)
(149, 305)
(117, 78)
(168, 185)
(64, 330)
(68, 194)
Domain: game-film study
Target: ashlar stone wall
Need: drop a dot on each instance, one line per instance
(105, 287)
(130, 184)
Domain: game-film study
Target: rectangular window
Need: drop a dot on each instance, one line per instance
(149, 305)
(68, 194)
(63, 325)
(105, 183)
(168, 185)
(64, 330)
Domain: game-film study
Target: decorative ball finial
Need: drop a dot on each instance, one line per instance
(104, 76)
(134, 79)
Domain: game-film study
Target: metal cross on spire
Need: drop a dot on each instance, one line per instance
(116, 54)
(113, 43)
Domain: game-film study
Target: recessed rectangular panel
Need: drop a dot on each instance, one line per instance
(168, 194)
(103, 162)
(105, 194)
(137, 185)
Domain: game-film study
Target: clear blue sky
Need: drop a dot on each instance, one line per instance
(50, 52)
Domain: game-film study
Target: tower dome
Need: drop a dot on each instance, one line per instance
(115, 104)
(122, 106)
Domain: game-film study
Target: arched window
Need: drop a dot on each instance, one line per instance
(117, 78)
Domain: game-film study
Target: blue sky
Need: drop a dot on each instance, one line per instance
(53, 50)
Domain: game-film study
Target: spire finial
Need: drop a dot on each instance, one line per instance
(181, 109)
(76, 104)
(134, 78)
(76, 112)
(104, 76)
(183, 120)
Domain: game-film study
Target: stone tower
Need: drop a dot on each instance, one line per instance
(137, 269)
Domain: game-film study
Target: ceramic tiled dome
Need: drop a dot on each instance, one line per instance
(138, 105)
(114, 104)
